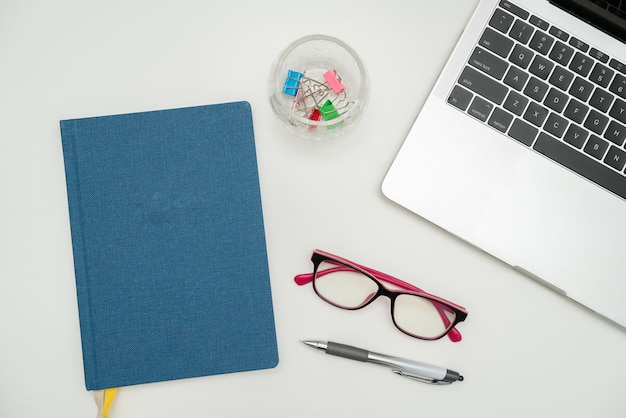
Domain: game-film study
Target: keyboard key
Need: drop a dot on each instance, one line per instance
(536, 114)
(496, 42)
(576, 136)
(596, 147)
(618, 86)
(521, 56)
(616, 158)
(581, 164)
(523, 132)
(480, 108)
(615, 133)
(541, 67)
(516, 10)
(559, 33)
(599, 55)
(581, 89)
(516, 103)
(541, 42)
(516, 78)
(601, 100)
(596, 122)
(501, 20)
(483, 85)
(576, 111)
(618, 111)
(536, 89)
(601, 75)
(540, 23)
(488, 63)
(556, 125)
(562, 53)
(556, 100)
(581, 64)
(578, 44)
(561, 78)
(460, 97)
(521, 31)
(617, 65)
(500, 119)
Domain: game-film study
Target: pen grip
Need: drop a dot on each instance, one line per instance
(347, 351)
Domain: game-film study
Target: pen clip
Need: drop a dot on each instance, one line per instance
(419, 378)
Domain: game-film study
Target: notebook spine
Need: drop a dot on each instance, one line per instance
(81, 268)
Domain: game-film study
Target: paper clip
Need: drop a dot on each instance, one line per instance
(292, 83)
(314, 90)
(302, 104)
(334, 81)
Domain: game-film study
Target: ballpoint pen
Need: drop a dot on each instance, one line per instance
(411, 369)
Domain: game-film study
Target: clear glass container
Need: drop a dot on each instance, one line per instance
(318, 86)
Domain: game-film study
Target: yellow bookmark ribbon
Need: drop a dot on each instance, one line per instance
(104, 400)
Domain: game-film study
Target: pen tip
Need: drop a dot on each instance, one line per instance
(461, 378)
(315, 344)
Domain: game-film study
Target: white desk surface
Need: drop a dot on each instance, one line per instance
(526, 351)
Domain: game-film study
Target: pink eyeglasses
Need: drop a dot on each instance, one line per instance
(351, 286)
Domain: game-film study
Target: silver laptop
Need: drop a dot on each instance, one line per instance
(520, 147)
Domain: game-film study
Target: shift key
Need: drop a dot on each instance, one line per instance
(483, 85)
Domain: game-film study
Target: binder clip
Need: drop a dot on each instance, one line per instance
(334, 81)
(329, 111)
(292, 83)
(316, 115)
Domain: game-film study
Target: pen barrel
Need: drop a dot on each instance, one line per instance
(347, 351)
(410, 367)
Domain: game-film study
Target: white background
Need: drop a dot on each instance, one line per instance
(525, 352)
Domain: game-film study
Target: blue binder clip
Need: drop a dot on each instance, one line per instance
(292, 83)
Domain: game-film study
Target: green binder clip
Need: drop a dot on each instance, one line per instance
(329, 111)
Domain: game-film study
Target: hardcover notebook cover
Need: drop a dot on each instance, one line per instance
(169, 245)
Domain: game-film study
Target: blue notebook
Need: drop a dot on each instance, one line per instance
(169, 245)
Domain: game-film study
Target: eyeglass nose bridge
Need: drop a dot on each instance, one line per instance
(392, 295)
(383, 291)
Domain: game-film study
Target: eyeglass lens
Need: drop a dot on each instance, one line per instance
(347, 288)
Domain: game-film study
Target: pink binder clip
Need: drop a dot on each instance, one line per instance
(334, 81)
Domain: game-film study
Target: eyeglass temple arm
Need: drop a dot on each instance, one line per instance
(301, 279)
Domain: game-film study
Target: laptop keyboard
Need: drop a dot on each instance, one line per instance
(550, 91)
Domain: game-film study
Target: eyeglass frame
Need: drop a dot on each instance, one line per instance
(319, 256)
